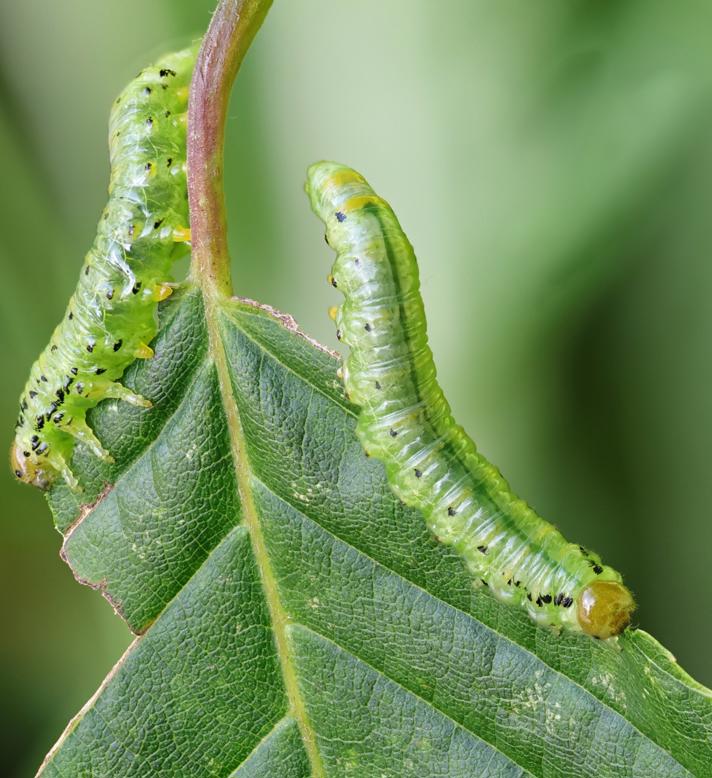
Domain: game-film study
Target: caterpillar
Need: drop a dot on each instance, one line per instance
(112, 315)
(405, 421)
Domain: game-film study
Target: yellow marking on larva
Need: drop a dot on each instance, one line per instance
(342, 177)
(181, 234)
(333, 311)
(181, 94)
(162, 292)
(360, 201)
(143, 352)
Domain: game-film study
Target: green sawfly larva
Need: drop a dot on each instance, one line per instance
(405, 421)
(112, 315)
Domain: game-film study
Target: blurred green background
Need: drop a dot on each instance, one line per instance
(552, 164)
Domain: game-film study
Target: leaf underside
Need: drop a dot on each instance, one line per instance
(400, 666)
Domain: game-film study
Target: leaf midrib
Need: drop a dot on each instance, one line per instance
(250, 517)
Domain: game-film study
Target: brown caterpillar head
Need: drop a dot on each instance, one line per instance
(605, 608)
(27, 470)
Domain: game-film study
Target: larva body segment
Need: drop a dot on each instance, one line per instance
(112, 315)
(406, 422)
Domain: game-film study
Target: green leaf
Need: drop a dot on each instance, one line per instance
(294, 619)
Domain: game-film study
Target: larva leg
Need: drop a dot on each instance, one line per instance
(163, 292)
(67, 474)
(118, 391)
(83, 432)
(143, 351)
(181, 234)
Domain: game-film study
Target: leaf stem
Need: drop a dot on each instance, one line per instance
(224, 46)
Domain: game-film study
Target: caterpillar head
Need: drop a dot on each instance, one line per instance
(605, 608)
(27, 468)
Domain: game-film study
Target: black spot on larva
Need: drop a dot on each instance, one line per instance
(118, 345)
(68, 381)
(169, 161)
(71, 316)
(484, 582)
(326, 240)
(529, 597)
(338, 334)
(378, 385)
(109, 294)
(18, 473)
(147, 90)
(33, 393)
(517, 583)
(39, 422)
(451, 511)
(100, 370)
(73, 370)
(509, 581)
(131, 230)
(333, 282)
(583, 551)
(149, 121)
(482, 549)
(53, 348)
(567, 602)
(60, 395)
(23, 405)
(80, 387)
(558, 599)
(58, 417)
(86, 270)
(43, 378)
(148, 165)
(90, 346)
(43, 448)
(357, 261)
(52, 409)
(341, 217)
(538, 601)
(157, 224)
(25, 453)
(35, 442)
(546, 598)
(367, 327)
(163, 72)
(136, 288)
(597, 569)
(167, 114)
(418, 473)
